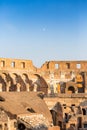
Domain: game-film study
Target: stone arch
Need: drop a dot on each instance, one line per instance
(20, 82)
(21, 126)
(2, 84)
(4, 75)
(71, 87)
(12, 78)
(29, 83)
(25, 77)
(41, 83)
(26, 81)
(8, 80)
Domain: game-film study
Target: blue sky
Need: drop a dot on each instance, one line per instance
(43, 30)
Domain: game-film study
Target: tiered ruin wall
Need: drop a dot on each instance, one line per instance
(18, 70)
(58, 68)
(20, 75)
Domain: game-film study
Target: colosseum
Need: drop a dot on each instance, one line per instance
(61, 84)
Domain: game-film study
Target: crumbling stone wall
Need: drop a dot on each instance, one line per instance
(74, 108)
(20, 75)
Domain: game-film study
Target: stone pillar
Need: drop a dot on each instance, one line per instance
(18, 87)
(27, 86)
(85, 80)
(55, 88)
(85, 89)
(52, 83)
(35, 87)
(49, 91)
(0, 87)
(8, 86)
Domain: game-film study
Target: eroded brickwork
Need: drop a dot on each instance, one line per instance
(55, 71)
(63, 82)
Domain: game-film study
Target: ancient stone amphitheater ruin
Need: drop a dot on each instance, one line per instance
(63, 84)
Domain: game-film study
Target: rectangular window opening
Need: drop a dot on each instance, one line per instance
(64, 104)
(78, 66)
(68, 65)
(47, 65)
(13, 64)
(2, 63)
(73, 104)
(22, 65)
(56, 66)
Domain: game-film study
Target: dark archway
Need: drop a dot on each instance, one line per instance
(2, 81)
(21, 126)
(13, 86)
(28, 81)
(42, 84)
(71, 88)
(21, 82)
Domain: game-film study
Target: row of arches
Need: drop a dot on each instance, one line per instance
(16, 82)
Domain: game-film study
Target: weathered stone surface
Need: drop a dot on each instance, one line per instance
(61, 81)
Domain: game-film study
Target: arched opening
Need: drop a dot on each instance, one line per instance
(2, 99)
(2, 84)
(42, 84)
(21, 126)
(19, 82)
(25, 78)
(71, 89)
(26, 81)
(13, 86)
(8, 80)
